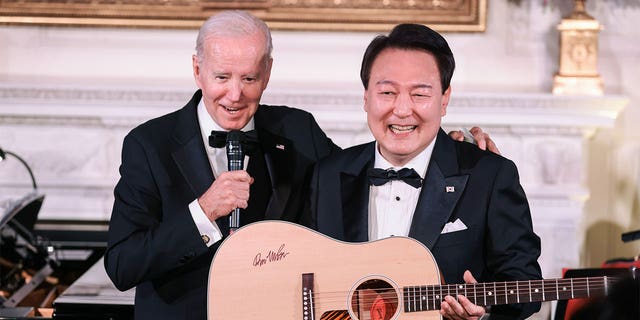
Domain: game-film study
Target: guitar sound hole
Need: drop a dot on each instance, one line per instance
(374, 299)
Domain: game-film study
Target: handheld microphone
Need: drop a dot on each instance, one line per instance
(235, 161)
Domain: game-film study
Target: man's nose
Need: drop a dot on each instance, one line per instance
(403, 105)
(234, 90)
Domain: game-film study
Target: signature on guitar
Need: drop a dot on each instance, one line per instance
(271, 256)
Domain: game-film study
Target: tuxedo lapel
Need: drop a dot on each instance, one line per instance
(354, 191)
(189, 153)
(440, 193)
(280, 164)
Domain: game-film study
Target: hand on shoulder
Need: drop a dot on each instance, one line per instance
(476, 136)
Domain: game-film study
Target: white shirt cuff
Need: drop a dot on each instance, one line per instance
(209, 231)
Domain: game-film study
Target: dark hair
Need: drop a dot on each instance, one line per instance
(411, 37)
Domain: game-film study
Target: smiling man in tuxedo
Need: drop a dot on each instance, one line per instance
(465, 204)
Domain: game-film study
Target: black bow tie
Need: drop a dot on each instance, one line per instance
(248, 139)
(378, 177)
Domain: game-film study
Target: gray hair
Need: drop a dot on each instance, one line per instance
(233, 23)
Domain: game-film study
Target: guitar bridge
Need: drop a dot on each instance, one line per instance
(307, 296)
(308, 303)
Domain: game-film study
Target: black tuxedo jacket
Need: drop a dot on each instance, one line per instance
(478, 187)
(154, 244)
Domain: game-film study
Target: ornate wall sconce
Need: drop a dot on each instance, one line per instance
(578, 72)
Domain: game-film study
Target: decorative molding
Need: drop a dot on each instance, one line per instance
(22, 93)
(36, 120)
(127, 107)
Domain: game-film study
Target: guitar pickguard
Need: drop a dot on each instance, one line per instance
(336, 315)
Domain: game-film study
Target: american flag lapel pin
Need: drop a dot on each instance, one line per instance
(450, 189)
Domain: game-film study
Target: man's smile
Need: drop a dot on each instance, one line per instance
(398, 129)
(231, 110)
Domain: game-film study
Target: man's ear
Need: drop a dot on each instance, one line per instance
(365, 106)
(445, 102)
(196, 70)
(267, 73)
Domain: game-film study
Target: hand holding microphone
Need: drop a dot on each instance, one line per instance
(230, 191)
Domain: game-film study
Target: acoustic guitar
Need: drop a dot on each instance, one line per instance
(279, 270)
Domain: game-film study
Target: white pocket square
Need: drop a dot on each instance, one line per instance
(457, 225)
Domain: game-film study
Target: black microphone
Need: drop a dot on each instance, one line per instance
(235, 161)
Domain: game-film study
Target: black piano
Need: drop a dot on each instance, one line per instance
(93, 296)
(53, 269)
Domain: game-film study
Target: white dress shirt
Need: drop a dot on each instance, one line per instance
(209, 231)
(391, 205)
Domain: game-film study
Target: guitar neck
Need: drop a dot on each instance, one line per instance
(424, 298)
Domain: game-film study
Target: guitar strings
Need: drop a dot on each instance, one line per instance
(499, 289)
(546, 288)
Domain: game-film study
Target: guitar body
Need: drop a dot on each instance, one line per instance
(257, 273)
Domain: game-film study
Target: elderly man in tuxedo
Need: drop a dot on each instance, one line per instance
(465, 204)
(174, 194)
